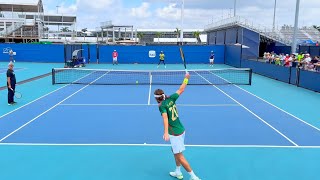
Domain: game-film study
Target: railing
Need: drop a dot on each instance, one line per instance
(240, 21)
(15, 26)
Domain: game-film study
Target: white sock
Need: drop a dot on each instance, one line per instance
(192, 174)
(178, 171)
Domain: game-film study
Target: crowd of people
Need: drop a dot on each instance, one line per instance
(299, 60)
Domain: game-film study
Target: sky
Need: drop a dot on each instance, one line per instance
(165, 14)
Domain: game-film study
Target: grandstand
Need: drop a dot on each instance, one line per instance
(258, 38)
(305, 35)
(25, 21)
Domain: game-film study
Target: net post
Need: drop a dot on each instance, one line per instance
(53, 76)
(250, 77)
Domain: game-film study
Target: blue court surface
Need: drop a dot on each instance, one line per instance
(115, 132)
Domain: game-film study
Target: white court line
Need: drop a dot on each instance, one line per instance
(191, 105)
(160, 145)
(318, 129)
(42, 97)
(49, 109)
(149, 98)
(250, 111)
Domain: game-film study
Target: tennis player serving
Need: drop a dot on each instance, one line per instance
(173, 128)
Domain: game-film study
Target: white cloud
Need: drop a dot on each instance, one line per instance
(95, 5)
(170, 12)
(198, 13)
(142, 11)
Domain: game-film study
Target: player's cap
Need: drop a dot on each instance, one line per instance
(114, 50)
(10, 64)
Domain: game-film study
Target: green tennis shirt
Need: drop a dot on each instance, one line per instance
(169, 106)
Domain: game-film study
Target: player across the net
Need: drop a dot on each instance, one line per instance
(147, 77)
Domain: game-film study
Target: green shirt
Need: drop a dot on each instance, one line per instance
(169, 106)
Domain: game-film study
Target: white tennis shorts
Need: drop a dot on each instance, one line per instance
(211, 60)
(177, 143)
(115, 59)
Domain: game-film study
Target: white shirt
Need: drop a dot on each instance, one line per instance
(308, 59)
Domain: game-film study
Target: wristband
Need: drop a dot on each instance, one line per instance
(185, 81)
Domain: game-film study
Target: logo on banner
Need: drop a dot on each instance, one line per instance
(152, 54)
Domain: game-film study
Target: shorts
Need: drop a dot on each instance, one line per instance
(177, 143)
(211, 60)
(115, 59)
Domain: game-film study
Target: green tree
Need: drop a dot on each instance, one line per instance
(196, 34)
(65, 29)
(84, 30)
(158, 35)
(140, 36)
(178, 32)
(316, 27)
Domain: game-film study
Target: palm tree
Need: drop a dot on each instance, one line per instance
(316, 27)
(196, 34)
(177, 31)
(140, 36)
(158, 35)
(65, 29)
(84, 30)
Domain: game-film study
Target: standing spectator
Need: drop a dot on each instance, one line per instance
(11, 84)
(115, 57)
(287, 60)
(307, 61)
(211, 58)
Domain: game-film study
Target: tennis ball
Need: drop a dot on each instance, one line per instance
(137, 82)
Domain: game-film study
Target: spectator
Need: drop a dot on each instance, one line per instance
(307, 62)
(287, 60)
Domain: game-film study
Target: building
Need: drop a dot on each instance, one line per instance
(25, 21)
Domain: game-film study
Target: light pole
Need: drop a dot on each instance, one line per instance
(57, 9)
(182, 19)
(274, 15)
(296, 22)
(235, 8)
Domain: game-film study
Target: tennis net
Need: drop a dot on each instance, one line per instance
(144, 77)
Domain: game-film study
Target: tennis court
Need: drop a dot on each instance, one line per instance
(89, 131)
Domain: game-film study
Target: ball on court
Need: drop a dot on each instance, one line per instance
(137, 82)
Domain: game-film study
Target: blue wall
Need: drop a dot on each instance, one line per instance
(282, 49)
(280, 73)
(231, 36)
(251, 39)
(140, 54)
(233, 56)
(211, 38)
(34, 52)
(309, 80)
(220, 39)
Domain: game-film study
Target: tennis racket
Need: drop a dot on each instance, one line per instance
(183, 59)
(17, 94)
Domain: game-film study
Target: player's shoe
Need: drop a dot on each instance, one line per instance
(195, 178)
(174, 174)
